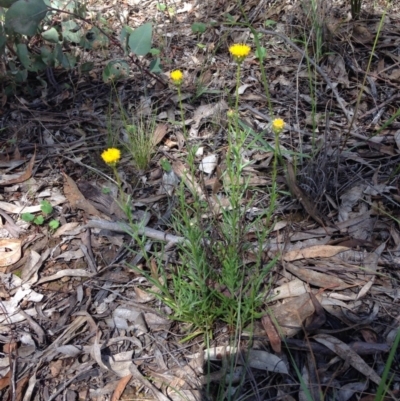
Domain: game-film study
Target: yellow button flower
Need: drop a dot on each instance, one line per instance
(278, 125)
(239, 51)
(111, 155)
(176, 77)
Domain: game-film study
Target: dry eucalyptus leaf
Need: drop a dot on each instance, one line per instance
(10, 251)
(347, 354)
(291, 313)
(318, 251)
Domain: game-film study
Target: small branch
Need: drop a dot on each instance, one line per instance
(126, 228)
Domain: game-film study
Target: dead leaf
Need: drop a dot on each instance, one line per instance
(5, 381)
(64, 230)
(337, 70)
(291, 313)
(21, 177)
(361, 34)
(272, 333)
(318, 251)
(76, 199)
(317, 279)
(120, 387)
(159, 133)
(204, 113)
(10, 251)
(347, 354)
(318, 318)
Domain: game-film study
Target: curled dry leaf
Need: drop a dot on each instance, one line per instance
(21, 177)
(10, 251)
(204, 113)
(291, 314)
(159, 133)
(76, 199)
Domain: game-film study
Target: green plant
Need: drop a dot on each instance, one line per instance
(24, 19)
(199, 27)
(47, 210)
(355, 8)
(140, 142)
(213, 282)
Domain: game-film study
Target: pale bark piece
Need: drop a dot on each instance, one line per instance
(208, 164)
(254, 358)
(65, 273)
(294, 288)
(16, 209)
(318, 251)
(10, 251)
(347, 354)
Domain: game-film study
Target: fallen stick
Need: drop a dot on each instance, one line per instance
(126, 228)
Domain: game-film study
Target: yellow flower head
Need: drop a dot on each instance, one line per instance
(176, 77)
(278, 125)
(239, 51)
(231, 113)
(111, 155)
